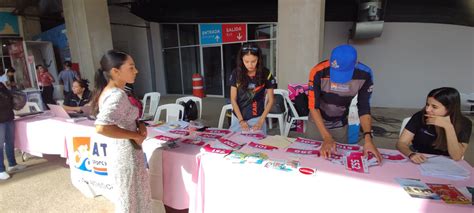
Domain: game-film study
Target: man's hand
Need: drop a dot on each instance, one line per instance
(369, 146)
(328, 146)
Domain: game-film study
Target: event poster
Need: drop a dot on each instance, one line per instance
(89, 165)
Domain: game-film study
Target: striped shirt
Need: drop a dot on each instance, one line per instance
(333, 99)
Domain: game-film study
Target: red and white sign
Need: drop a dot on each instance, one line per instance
(308, 141)
(209, 148)
(193, 142)
(356, 162)
(165, 138)
(303, 151)
(262, 146)
(179, 132)
(209, 135)
(234, 33)
(218, 131)
(230, 143)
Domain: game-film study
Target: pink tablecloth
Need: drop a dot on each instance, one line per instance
(227, 187)
(179, 173)
(43, 135)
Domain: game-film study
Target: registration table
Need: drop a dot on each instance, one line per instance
(229, 187)
(184, 177)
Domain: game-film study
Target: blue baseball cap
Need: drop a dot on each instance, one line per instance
(342, 63)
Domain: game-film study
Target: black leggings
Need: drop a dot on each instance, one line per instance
(47, 94)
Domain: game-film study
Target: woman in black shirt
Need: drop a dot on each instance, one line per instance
(79, 97)
(250, 82)
(438, 129)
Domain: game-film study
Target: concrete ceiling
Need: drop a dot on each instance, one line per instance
(458, 12)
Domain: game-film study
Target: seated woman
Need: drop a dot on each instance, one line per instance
(79, 97)
(438, 129)
(250, 81)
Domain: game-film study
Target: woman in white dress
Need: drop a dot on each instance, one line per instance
(117, 118)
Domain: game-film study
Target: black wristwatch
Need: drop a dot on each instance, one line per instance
(369, 133)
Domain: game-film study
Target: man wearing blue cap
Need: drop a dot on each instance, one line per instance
(332, 86)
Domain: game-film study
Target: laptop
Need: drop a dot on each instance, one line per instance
(59, 111)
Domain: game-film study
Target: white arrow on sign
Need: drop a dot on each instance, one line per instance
(217, 38)
(239, 36)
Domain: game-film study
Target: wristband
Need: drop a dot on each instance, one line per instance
(369, 133)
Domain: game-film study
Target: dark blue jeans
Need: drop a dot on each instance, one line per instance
(7, 140)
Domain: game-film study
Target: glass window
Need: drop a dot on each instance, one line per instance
(258, 31)
(188, 34)
(191, 62)
(274, 33)
(172, 71)
(170, 35)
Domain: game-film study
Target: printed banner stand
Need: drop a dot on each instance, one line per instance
(89, 163)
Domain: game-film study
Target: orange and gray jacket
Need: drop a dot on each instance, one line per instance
(333, 99)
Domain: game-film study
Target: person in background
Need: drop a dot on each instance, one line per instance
(117, 118)
(439, 128)
(45, 80)
(332, 85)
(250, 82)
(66, 77)
(7, 133)
(3, 76)
(79, 97)
(11, 83)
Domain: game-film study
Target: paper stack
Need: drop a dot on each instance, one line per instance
(443, 167)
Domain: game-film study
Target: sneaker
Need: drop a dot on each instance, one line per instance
(4, 175)
(16, 168)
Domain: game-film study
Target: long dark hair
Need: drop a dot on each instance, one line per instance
(242, 72)
(111, 59)
(84, 83)
(451, 100)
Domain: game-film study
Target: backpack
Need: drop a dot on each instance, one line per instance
(190, 110)
(278, 104)
(301, 104)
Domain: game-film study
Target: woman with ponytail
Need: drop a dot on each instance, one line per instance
(117, 118)
(438, 129)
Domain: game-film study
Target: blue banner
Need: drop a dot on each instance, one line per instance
(211, 33)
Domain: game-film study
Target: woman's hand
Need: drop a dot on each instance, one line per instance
(244, 125)
(142, 129)
(418, 158)
(441, 121)
(259, 124)
(139, 139)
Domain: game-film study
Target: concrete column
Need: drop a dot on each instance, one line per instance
(299, 40)
(89, 34)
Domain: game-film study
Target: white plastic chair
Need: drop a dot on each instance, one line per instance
(404, 123)
(280, 116)
(222, 117)
(29, 107)
(149, 107)
(60, 102)
(198, 101)
(295, 117)
(174, 112)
